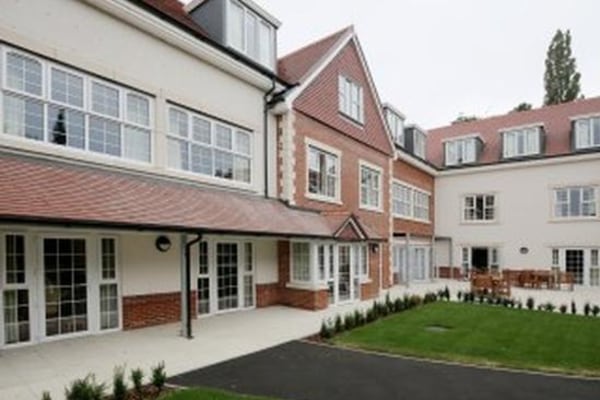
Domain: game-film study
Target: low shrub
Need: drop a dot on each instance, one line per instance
(119, 385)
(549, 307)
(429, 298)
(481, 299)
(359, 318)
(371, 315)
(338, 324)
(415, 300)
(447, 293)
(85, 389)
(326, 332)
(46, 396)
(595, 310)
(530, 303)
(349, 321)
(587, 309)
(398, 305)
(563, 308)
(573, 308)
(520, 305)
(489, 300)
(137, 379)
(158, 376)
(389, 304)
(459, 295)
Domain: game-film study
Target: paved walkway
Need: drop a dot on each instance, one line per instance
(300, 370)
(26, 372)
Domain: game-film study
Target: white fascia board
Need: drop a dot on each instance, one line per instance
(400, 155)
(393, 109)
(173, 35)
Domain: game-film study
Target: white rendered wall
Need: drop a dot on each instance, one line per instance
(524, 209)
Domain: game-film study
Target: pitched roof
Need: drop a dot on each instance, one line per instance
(347, 226)
(174, 10)
(295, 66)
(556, 120)
(57, 193)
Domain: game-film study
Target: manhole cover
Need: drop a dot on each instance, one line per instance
(437, 328)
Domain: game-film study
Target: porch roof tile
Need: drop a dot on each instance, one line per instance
(53, 192)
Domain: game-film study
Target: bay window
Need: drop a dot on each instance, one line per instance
(46, 102)
(201, 145)
(301, 262)
(575, 202)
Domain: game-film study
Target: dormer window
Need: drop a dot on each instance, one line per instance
(462, 151)
(521, 142)
(396, 125)
(419, 143)
(250, 34)
(351, 99)
(587, 133)
(415, 140)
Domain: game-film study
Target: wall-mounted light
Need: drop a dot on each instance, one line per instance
(163, 244)
(524, 250)
(374, 248)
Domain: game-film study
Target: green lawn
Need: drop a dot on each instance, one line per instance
(487, 335)
(209, 394)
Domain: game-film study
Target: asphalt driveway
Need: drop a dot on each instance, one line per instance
(305, 371)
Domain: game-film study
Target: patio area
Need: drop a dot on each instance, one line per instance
(26, 372)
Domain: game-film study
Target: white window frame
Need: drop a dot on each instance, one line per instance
(475, 220)
(311, 273)
(460, 151)
(412, 191)
(248, 13)
(318, 146)
(46, 101)
(396, 126)
(188, 139)
(568, 189)
(116, 280)
(530, 137)
(379, 171)
(351, 99)
(586, 140)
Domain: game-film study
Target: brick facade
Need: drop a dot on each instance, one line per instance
(153, 309)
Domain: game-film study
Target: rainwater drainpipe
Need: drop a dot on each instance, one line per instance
(408, 260)
(266, 106)
(188, 286)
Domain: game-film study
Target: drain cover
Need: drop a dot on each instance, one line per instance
(437, 328)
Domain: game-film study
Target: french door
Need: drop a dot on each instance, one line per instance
(344, 273)
(575, 264)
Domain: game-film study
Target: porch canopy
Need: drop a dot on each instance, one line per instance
(56, 193)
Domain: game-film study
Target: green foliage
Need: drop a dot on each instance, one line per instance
(85, 389)
(563, 308)
(595, 310)
(137, 378)
(46, 396)
(573, 308)
(523, 107)
(338, 325)
(359, 318)
(587, 309)
(530, 303)
(349, 321)
(464, 118)
(119, 384)
(326, 331)
(459, 295)
(549, 307)
(561, 79)
(159, 376)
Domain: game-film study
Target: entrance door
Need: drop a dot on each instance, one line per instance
(480, 259)
(575, 264)
(65, 282)
(227, 276)
(344, 281)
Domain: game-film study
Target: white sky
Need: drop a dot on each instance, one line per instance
(435, 59)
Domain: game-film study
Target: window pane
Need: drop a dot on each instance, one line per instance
(66, 127)
(301, 262)
(242, 142)
(575, 202)
(251, 39)
(105, 100)
(201, 130)
(178, 123)
(202, 160)
(137, 144)
(178, 157)
(23, 117)
(595, 139)
(223, 164)
(105, 136)
(67, 88)
(108, 251)
(138, 109)
(236, 26)
(265, 43)
(224, 137)
(242, 169)
(23, 74)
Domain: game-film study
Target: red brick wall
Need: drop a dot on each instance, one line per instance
(416, 177)
(267, 295)
(153, 309)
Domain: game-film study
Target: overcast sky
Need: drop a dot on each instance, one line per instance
(435, 59)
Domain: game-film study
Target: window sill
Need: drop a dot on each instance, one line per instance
(322, 199)
(411, 219)
(365, 280)
(371, 209)
(352, 120)
(306, 286)
(478, 222)
(574, 219)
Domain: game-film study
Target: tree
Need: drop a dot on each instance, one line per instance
(464, 118)
(561, 78)
(523, 107)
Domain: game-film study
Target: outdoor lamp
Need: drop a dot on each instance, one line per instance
(163, 244)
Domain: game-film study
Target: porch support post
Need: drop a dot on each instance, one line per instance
(186, 284)
(407, 255)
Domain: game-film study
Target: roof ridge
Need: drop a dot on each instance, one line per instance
(512, 112)
(317, 42)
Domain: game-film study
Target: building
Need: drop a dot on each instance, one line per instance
(520, 191)
(334, 157)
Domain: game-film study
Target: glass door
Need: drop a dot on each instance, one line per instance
(344, 281)
(574, 265)
(14, 285)
(203, 305)
(227, 276)
(65, 282)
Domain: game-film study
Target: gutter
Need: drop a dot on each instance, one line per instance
(266, 107)
(188, 286)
